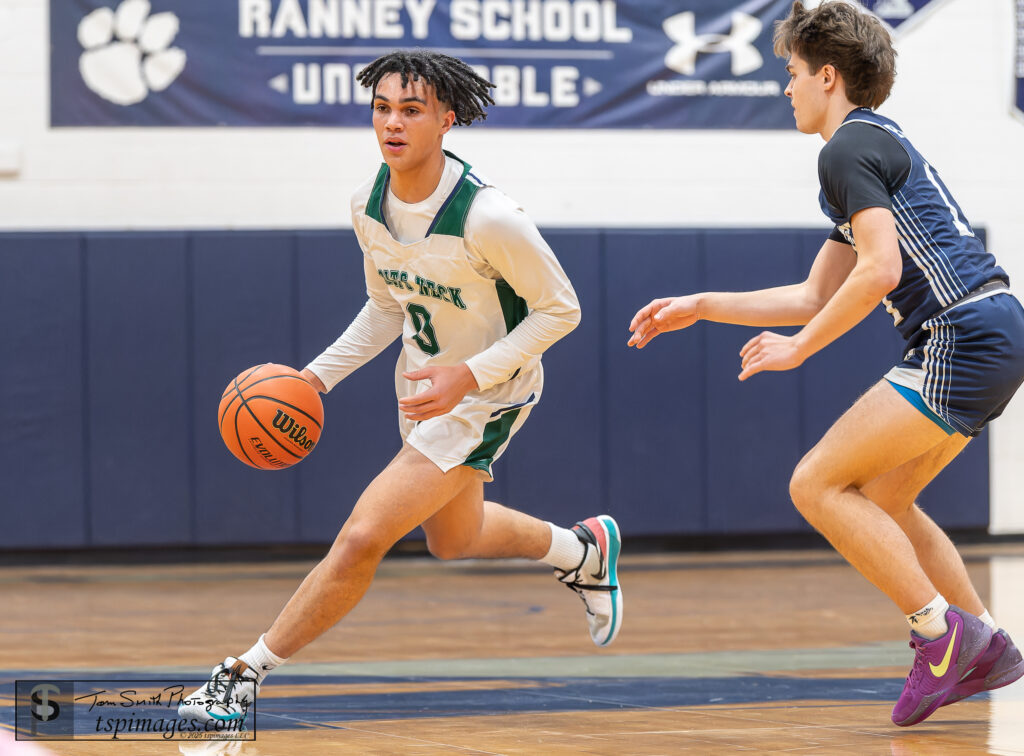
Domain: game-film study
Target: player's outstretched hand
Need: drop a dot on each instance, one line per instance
(661, 316)
(770, 351)
(447, 387)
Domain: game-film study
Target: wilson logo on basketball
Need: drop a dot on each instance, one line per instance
(257, 444)
(297, 433)
(270, 417)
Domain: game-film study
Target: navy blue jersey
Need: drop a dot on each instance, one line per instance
(942, 258)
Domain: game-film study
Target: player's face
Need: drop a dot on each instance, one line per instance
(410, 122)
(807, 94)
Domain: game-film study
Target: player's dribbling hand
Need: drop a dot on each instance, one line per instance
(661, 316)
(313, 380)
(447, 387)
(770, 351)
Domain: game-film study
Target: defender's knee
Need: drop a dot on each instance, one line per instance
(806, 489)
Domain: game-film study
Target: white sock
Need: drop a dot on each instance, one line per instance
(261, 659)
(987, 619)
(566, 551)
(930, 620)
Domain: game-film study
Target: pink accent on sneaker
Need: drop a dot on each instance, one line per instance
(597, 528)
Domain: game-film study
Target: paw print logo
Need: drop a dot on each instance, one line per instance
(128, 53)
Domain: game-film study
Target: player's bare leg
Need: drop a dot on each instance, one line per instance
(469, 527)
(880, 433)
(408, 491)
(896, 492)
(585, 558)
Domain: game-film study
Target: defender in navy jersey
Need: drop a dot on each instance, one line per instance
(901, 238)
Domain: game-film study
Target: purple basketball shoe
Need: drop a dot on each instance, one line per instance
(1000, 665)
(939, 665)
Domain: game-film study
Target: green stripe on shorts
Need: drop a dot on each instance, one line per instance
(496, 433)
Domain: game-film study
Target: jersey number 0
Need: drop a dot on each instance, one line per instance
(424, 337)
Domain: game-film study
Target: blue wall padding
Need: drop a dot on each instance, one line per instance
(753, 431)
(117, 347)
(139, 388)
(43, 492)
(656, 462)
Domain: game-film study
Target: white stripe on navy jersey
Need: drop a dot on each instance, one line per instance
(946, 270)
(924, 264)
(946, 264)
(920, 248)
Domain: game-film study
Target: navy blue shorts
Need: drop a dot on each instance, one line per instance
(965, 363)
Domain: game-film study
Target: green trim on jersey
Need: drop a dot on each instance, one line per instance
(496, 433)
(450, 219)
(375, 204)
(513, 306)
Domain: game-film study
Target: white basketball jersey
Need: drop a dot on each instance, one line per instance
(481, 286)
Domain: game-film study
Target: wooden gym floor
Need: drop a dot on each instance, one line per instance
(719, 653)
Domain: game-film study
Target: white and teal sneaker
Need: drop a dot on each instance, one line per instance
(226, 696)
(600, 590)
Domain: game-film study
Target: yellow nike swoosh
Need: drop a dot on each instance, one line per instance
(940, 670)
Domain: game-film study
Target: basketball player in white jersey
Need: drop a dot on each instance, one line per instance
(456, 269)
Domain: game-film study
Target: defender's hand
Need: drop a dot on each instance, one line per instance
(447, 387)
(662, 316)
(770, 351)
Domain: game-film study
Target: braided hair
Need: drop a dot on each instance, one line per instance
(455, 83)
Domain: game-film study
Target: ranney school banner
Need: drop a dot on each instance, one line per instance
(556, 63)
(896, 13)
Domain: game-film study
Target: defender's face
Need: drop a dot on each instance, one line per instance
(409, 121)
(807, 93)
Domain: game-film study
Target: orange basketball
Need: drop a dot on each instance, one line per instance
(270, 417)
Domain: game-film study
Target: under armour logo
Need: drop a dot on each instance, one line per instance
(681, 29)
